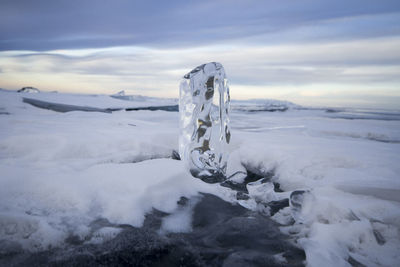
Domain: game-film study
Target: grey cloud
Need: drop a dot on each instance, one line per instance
(45, 24)
(297, 76)
(360, 62)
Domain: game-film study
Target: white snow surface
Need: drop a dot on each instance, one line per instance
(61, 171)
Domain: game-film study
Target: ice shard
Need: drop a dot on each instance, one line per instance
(301, 205)
(204, 122)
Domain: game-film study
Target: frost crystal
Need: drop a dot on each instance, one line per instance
(204, 121)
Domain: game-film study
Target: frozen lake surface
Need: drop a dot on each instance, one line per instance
(77, 185)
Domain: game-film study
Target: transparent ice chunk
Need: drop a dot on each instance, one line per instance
(204, 121)
(301, 205)
(262, 192)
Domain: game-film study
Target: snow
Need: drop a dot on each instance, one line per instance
(342, 225)
(354, 180)
(59, 172)
(180, 221)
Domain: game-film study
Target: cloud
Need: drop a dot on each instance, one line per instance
(368, 67)
(47, 25)
(305, 49)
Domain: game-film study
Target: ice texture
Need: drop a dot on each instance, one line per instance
(204, 121)
(301, 204)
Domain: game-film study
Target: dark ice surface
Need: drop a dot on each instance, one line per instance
(363, 114)
(61, 107)
(223, 234)
(67, 108)
(174, 108)
(3, 111)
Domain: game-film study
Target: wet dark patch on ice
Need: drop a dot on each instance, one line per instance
(172, 108)
(223, 234)
(261, 108)
(67, 108)
(4, 112)
(216, 178)
(61, 107)
(379, 237)
(140, 158)
(355, 263)
(266, 110)
(369, 136)
(175, 155)
(383, 140)
(363, 115)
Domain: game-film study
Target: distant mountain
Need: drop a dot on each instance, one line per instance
(28, 89)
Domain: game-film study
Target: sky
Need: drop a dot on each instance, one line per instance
(315, 53)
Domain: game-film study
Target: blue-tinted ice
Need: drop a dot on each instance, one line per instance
(204, 121)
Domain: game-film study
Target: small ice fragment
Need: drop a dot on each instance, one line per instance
(104, 234)
(204, 122)
(262, 192)
(301, 204)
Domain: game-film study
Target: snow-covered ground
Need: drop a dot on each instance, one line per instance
(61, 171)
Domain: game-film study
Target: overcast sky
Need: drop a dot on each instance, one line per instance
(338, 53)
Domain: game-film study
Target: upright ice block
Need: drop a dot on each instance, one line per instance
(204, 122)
